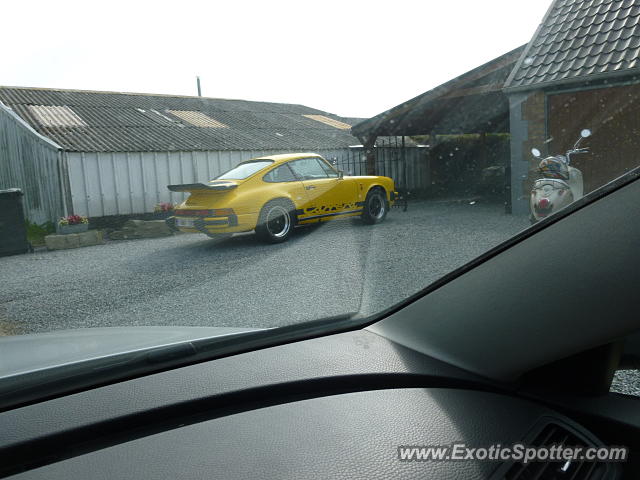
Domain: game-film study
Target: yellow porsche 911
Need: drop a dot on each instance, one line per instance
(273, 194)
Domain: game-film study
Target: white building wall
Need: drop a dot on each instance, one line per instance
(134, 182)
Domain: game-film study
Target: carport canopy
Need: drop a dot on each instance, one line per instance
(471, 103)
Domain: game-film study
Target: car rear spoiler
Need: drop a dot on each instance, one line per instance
(193, 187)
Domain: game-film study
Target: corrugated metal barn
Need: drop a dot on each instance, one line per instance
(121, 150)
(32, 162)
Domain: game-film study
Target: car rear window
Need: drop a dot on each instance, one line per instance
(244, 170)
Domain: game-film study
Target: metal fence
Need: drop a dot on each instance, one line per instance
(408, 167)
(32, 163)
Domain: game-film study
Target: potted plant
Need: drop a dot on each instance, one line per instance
(72, 224)
(163, 210)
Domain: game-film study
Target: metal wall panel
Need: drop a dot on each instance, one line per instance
(34, 164)
(132, 183)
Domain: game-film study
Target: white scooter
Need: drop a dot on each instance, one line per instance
(560, 185)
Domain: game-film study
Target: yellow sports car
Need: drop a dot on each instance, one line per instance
(273, 194)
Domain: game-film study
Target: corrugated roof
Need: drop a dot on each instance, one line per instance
(197, 119)
(579, 39)
(54, 116)
(117, 122)
(329, 121)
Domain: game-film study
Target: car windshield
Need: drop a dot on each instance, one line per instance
(244, 170)
(376, 148)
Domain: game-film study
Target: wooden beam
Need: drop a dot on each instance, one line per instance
(369, 152)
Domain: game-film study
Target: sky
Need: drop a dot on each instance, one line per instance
(352, 58)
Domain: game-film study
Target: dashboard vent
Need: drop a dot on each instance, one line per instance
(555, 434)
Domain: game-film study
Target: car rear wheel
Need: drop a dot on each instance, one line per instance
(376, 206)
(276, 221)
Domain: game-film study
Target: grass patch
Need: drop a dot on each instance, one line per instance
(36, 233)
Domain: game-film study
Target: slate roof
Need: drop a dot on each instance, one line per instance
(579, 39)
(91, 121)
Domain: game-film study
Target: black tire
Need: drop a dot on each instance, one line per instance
(276, 221)
(376, 206)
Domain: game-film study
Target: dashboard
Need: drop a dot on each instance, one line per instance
(336, 406)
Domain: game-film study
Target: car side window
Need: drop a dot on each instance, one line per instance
(328, 170)
(280, 174)
(308, 169)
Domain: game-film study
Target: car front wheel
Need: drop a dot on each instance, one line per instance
(276, 221)
(376, 206)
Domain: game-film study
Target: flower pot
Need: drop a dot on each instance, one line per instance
(66, 229)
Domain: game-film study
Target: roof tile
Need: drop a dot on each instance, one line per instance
(579, 38)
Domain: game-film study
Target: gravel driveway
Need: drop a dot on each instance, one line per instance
(326, 270)
(330, 269)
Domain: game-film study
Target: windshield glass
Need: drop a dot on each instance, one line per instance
(380, 172)
(244, 170)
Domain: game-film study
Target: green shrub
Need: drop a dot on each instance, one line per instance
(36, 233)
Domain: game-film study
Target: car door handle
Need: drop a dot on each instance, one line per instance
(310, 187)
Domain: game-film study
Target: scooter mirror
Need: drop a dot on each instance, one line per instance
(585, 133)
(535, 152)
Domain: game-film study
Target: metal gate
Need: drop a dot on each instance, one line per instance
(408, 166)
